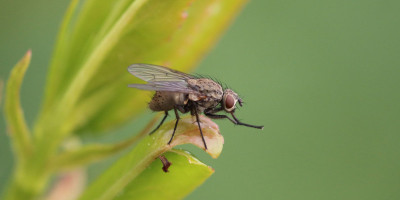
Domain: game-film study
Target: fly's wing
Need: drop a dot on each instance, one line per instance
(160, 78)
(167, 86)
(154, 73)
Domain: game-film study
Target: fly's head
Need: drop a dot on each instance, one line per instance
(229, 100)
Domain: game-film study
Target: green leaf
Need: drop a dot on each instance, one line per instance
(14, 115)
(88, 75)
(116, 179)
(185, 174)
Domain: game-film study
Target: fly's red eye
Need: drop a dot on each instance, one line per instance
(229, 102)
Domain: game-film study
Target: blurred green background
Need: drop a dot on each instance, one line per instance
(322, 76)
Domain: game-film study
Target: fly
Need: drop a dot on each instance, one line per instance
(186, 93)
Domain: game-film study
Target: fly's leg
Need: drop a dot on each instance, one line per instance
(176, 124)
(244, 124)
(234, 120)
(198, 123)
(214, 110)
(214, 116)
(159, 125)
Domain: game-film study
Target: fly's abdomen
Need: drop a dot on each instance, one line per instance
(164, 101)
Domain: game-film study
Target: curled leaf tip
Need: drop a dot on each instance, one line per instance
(188, 132)
(165, 162)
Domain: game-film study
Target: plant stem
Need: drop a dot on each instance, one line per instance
(31, 177)
(27, 183)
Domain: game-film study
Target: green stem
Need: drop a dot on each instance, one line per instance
(32, 176)
(27, 183)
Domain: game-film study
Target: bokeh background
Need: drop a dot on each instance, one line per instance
(322, 76)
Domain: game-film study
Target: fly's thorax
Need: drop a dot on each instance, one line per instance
(164, 101)
(208, 90)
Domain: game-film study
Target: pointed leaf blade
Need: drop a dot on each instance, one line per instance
(14, 115)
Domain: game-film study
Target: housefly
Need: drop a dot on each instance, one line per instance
(186, 93)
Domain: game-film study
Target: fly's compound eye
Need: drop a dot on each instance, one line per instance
(229, 103)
